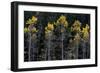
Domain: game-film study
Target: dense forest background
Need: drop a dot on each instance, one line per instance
(56, 36)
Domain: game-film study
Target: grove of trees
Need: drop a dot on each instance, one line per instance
(56, 36)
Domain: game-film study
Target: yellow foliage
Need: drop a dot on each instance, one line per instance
(87, 27)
(85, 32)
(76, 26)
(49, 28)
(26, 29)
(62, 20)
(77, 23)
(34, 30)
(33, 20)
(47, 31)
(77, 37)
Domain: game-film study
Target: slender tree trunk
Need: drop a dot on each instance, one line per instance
(29, 52)
(62, 46)
(76, 51)
(49, 45)
(84, 50)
